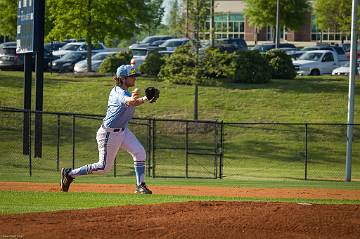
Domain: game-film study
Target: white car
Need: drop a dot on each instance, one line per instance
(139, 56)
(317, 62)
(96, 61)
(77, 46)
(345, 69)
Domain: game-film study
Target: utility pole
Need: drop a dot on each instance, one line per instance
(196, 90)
(39, 68)
(187, 20)
(212, 25)
(354, 29)
(277, 34)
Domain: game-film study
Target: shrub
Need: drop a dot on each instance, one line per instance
(152, 64)
(218, 65)
(281, 64)
(252, 67)
(179, 67)
(111, 63)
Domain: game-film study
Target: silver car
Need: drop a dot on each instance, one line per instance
(96, 61)
(78, 46)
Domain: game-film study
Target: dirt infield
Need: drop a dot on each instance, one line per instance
(192, 219)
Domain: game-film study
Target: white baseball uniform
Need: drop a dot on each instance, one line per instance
(113, 135)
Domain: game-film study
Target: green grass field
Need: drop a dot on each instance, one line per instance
(26, 202)
(255, 156)
(305, 99)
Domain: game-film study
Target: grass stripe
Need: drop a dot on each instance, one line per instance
(14, 202)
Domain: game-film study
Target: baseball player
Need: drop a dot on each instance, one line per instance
(114, 133)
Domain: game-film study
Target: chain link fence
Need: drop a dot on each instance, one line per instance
(181, 148)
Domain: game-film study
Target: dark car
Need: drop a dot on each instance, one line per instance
(157, 43)
(54, 46)
(7, 44)
(67, 62)
(268, 46)
(9, 59)
(149, 40)
(238, 43)
(346, 47)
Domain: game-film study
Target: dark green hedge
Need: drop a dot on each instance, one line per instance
(281, 64)
(111, 63)
(252, 67)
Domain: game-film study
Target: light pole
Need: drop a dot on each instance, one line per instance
(211, 23)
(354, 29)
(277, 35)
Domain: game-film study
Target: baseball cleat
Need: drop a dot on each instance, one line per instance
(143, 189)
(66, 180)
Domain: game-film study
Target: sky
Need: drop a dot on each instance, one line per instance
(167, 5)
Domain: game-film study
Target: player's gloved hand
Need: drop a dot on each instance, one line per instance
(152, 94)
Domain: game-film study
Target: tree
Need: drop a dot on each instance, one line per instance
(156, 13)
(95, 20)
(197, 12)
(175, 20)
(335, 16)
(262, 13)
(8, 18)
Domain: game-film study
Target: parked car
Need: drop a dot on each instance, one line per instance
(140, 54)
(157, 43)
(346, 46)
(171, 44)
(149, 40)
(295, 54)
(66, 63)
(96, 61)
(6, 44)
(337, 49)
(345, 69)
(317, 62)
(9, 59)
(268, 46)
(78, 47)
(54, 46)
(238, 43)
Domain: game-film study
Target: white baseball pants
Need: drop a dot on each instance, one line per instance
(109, 143)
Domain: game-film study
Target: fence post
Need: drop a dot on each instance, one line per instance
(187, 149)
(153, 148)
(216, 149)
(58, 144)
(114, 167)
(306, 150)
(148, 159)
(73, 141)
(29, 146)
(221, 150)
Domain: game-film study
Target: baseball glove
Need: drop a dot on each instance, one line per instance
(152, 94)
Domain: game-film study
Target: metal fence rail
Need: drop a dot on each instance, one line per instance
(181, 148)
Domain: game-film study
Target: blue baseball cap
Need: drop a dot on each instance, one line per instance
(126, 70)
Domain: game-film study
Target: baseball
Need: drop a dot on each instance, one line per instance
(136, 93)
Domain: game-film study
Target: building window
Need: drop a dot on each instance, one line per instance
(227, 25)
(326, 35)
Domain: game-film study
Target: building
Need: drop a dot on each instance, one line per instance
(230, 22)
